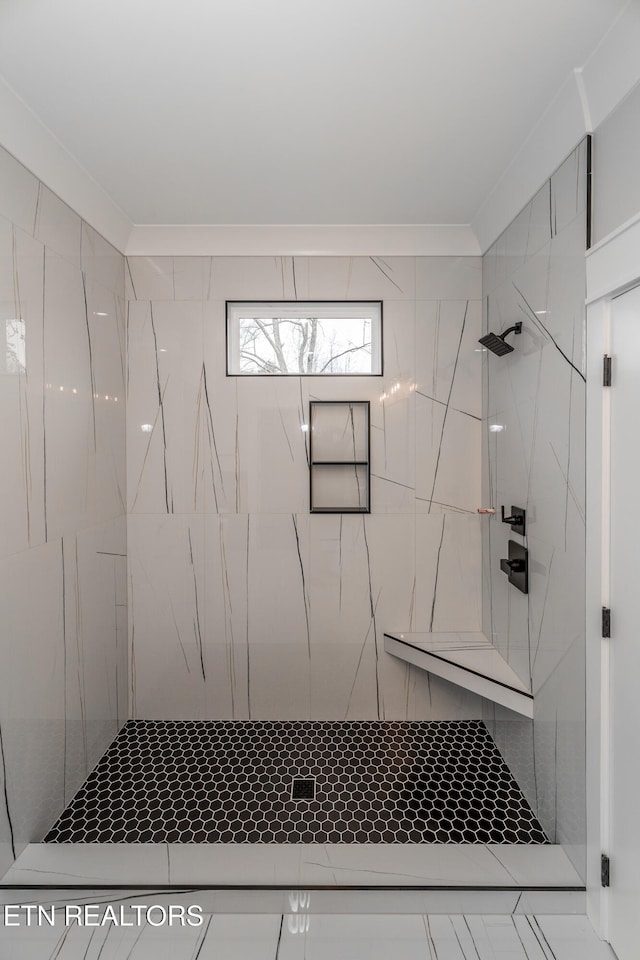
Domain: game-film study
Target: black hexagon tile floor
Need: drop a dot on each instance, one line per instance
(353, 782)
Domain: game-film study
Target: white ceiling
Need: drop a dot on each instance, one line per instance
(295, 111)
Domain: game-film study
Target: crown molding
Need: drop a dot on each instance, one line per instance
(258, 240)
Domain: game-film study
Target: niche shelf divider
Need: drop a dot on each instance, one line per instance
(339, 467)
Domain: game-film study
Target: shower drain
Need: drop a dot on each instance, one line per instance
(303, 788)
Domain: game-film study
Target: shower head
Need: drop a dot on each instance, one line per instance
(497, 344)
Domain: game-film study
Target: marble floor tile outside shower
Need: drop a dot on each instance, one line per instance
(300, 937)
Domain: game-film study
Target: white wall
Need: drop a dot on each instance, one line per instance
(244, 605)
(63, 597)
(535, 272)
(616, 149)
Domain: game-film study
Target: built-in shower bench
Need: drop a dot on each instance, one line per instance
(469, 660)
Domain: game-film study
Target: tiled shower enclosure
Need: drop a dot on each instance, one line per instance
(239, 604)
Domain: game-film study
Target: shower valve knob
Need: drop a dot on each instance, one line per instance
(517, 520)
(516, 566)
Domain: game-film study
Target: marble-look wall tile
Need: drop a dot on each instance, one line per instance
(63, 585)
(22, 485)
(448, 568)
(168, 668)
(357, 278)
(150, 278)
(19, 192)
(32, 703)
(101, 262)
(568, 193)
(57, 226)
(448, 278)
(273, 474)
(167, 404)
(295, 606)
(534, 445)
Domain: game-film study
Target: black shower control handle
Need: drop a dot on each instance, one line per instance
(516, 566)
(517, 519)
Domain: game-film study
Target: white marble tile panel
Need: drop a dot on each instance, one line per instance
(223, 461)
(253, 278)
(448, 356)
(569, 190)
(510, 626)
(560, 756)
(489, 270)
(33, 615)
(57, 226)
(573, 938)
(102, 262)
(557, 617)
(279, 680)
(273, 475)
(167, 408)
(32, 693)
(366, 864)
(19, 192)
(96, 653)
(22, 479)
(393, 456)
(168, 667)
(391, 496)
(149, 278)
(443, 437)
(108, 374)
(527, 233)
(277, 584)
(448, 574)
(168, 278)
(430, 422)
(566, 316)
(540, 224)
(448, 278)
(91, 863)
(466, 394)
(343, 938)
(191, 278)
(225, 616)
(338, 581)
(399, 342)
(361, 278)
(342, 680)
(70, 403)
(321, 937)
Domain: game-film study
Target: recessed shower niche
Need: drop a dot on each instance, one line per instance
(339, 471)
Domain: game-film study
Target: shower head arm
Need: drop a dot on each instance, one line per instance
(516, 328)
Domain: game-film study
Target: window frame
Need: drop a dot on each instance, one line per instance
(346, 304)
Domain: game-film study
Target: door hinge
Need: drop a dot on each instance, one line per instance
(606, 371)
(606, 622)
(604, 870)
